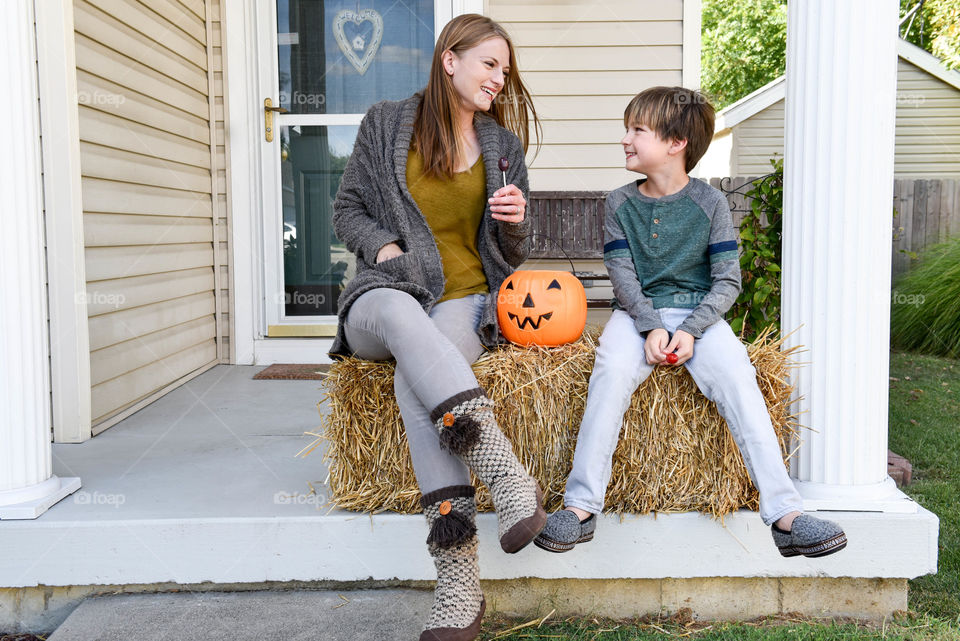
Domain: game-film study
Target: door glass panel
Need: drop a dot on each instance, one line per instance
(315, 263)
(340, 57)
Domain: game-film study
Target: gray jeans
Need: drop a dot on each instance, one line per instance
(433, 356)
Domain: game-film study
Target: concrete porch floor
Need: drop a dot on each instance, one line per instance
(201, 491)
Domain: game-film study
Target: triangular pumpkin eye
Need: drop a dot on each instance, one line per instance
(510, 285)
(554, 284)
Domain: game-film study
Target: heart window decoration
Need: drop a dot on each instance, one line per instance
(357, 49)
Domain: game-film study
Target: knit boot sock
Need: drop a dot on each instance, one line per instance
(458, 604)
(469, 430)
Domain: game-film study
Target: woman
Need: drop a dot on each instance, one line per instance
(436, 228)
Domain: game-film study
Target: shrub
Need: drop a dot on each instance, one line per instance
(758, 305)
(925, 305)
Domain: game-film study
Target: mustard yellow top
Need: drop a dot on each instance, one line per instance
(454, 209)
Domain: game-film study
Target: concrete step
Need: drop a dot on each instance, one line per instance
(296, 615)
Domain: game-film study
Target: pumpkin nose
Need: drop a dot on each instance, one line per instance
(528, 301)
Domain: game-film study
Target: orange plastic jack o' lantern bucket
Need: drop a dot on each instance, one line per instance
(540, 307)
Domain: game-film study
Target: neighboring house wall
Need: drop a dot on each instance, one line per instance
(583, 62)
(150, 205)
(927, 131)
(928, 125)
(756, 140)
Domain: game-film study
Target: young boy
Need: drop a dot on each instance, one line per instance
(671, 251)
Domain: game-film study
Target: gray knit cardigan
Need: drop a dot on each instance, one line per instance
(374, 207)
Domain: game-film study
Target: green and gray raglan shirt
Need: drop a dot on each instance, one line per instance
(675, 251)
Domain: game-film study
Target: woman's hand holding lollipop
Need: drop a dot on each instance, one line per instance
(508, 203)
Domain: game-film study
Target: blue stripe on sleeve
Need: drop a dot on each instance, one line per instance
(725, 246)
(722, 256)
(620, 243)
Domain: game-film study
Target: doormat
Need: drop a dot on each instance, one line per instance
(293, 372)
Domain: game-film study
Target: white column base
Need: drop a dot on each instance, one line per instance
(30, 502)
(878, 497)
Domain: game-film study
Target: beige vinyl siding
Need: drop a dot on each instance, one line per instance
(583, 62)
(758, 139)
(928, 125)
(927, 130)
(154, 224)
(221, 217)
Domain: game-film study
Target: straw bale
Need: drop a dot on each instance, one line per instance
(675, 452)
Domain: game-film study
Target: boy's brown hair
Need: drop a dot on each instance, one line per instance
(675, 113)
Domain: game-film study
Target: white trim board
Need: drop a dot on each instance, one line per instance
(928, 62)
(751, 104)
(690, 73)
(352, 546)
(300, 351)
(63, 217)
(240, 51)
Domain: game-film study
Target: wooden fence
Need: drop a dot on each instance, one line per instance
(924, 212)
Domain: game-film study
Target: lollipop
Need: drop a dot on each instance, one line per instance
(503, 164)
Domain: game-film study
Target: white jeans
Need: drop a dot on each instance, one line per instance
(723, 372)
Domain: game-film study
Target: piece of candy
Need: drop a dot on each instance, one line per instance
(672, 358)
(503, 164)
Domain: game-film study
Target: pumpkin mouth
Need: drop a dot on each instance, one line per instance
(528, 320)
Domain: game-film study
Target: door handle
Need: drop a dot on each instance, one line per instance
(268, 111)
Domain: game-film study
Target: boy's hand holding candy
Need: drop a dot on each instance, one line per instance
(653, 347)
(660, 349)
(680, 345)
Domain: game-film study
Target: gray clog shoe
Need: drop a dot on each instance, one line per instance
(564, 530)
(809, 536)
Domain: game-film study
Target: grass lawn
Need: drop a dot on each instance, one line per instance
(907, 628)
(925, 428)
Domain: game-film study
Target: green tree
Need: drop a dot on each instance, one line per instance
(935, 27)
(744, 46)
(744, 42)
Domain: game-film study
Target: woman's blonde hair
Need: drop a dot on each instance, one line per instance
(436, 133)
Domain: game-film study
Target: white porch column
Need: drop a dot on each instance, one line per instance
(27, 484)
(838, 194)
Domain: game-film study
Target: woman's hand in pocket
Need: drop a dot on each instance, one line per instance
(388, 251)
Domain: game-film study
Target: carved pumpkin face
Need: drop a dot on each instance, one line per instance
(538, 307)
